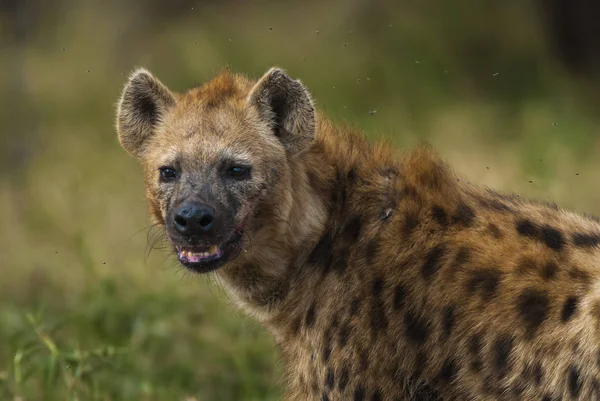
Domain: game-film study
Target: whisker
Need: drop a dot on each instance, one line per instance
(139, 231)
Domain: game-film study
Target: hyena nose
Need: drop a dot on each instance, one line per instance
(194, 219)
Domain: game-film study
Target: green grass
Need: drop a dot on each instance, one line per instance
(120, 342)
(87, 313)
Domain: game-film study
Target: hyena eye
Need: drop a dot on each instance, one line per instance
(168, 174)
(239, 172)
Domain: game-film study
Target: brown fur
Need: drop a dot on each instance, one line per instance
(384, 276)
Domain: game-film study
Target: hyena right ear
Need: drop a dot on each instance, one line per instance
(287, 107)
(143, 102)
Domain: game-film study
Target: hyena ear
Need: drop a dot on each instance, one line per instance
(143, 102)
(287, 107)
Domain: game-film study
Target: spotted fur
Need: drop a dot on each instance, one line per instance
(380, 274)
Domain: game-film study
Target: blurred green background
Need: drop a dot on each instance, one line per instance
(506, 91)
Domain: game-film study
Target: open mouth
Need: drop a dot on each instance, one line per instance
(203, 259)
(197, 255)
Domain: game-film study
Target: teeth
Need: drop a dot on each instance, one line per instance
(211, 251)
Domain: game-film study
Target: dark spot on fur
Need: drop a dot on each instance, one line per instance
(526, 265)
(495, 231)
(338, 195)
(324, 397)
(327, 338)
(344, 378)
(464, 215)
(420, 364)
(538, 374)
(410, 192)
(527, 228)
(574, 381)
(344, 334)
(313, 179)
(439, 215)
(379, 321)
(569, 308)
(553, 238)
(549, 271)
(326, 352)
(330, 379)
(411, 221)
(476, 365)
(354, 306)
(580, 276)
(399, 296)
(377, 287)
(376, 396)
(351, 175)
(517, 390)
(348, 237)
(372, 249)
(352, 230)
(475, 345)
(295, 326)
(423, 392)
(586, 240)
(534, 373)
(461, 258)
(359, 394)
(339, 262)
(533, 307)
(433, 261)
(548, 235)
(309, 319)
(315, 385)
(485, 282)
(447, 372)
(502, 349)
(363, 359)
(448, 320)
(321, 254)
(415, 328)
(596, 388)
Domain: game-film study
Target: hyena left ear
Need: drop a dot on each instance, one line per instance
(287, 107)
(143, 102)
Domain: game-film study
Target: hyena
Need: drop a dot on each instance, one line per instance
(381, 274)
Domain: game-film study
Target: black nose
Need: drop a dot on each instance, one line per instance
(194, 219)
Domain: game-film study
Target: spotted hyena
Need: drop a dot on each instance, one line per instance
(382, 276)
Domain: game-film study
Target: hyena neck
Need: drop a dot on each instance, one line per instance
(321, 178)
(341, 188)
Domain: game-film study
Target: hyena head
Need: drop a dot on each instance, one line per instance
(216, 158)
